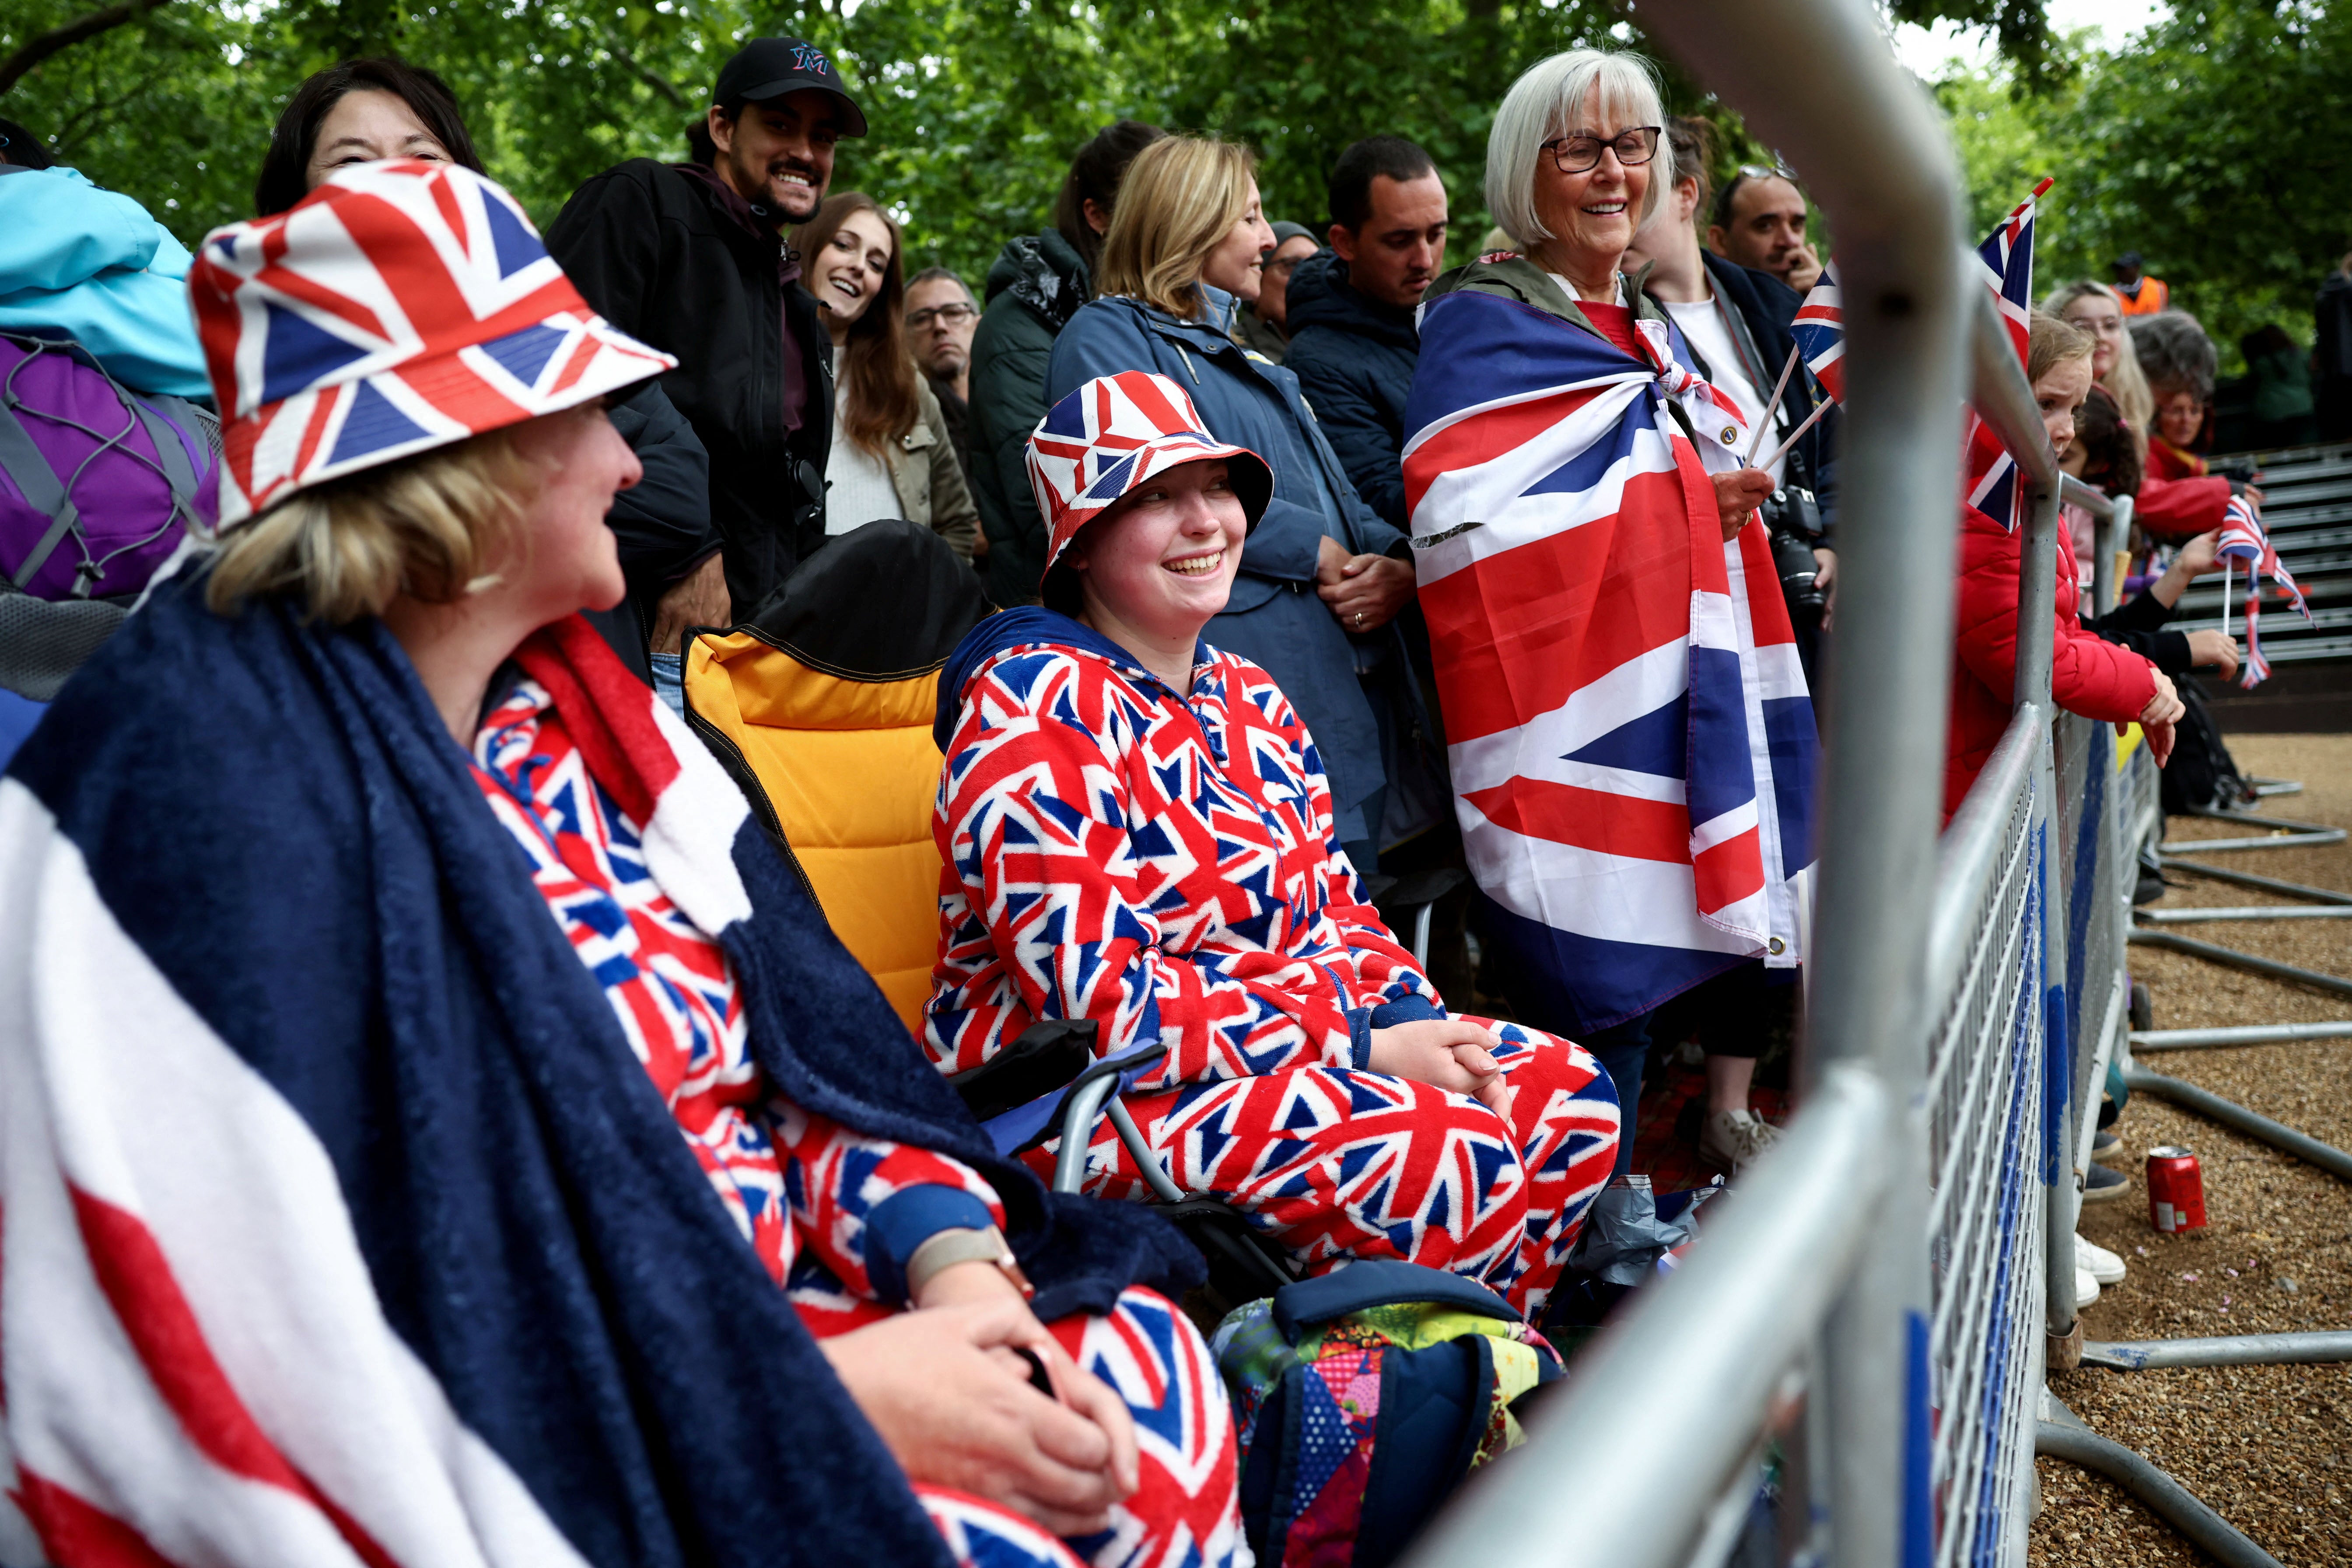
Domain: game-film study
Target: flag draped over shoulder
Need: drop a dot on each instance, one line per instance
(342, 1225)
(1631, 739)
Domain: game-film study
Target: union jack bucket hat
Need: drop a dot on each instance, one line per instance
(397, 307)
(1111, 434)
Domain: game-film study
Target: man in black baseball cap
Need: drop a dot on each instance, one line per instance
(777, 110)
(690, 258)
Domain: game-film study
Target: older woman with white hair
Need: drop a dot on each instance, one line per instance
(1628, 729)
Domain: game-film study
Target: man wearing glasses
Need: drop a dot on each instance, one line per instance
(1265, 327)
(940, 320)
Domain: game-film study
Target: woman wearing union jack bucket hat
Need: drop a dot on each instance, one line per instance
(340, 1036)
(1139, 830)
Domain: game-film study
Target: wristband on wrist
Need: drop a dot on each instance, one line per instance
(965, 1245)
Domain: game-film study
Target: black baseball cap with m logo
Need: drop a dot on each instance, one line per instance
(771, 68)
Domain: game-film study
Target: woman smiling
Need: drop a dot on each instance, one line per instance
(1138, 830)
(891, 456)
(1611, 645)
(1322, 577)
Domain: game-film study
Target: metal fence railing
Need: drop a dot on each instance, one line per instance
(1985, 1125)
(1876, 1305)
(1804, 1323)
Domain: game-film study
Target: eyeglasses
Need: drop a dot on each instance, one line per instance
(1575, 155)
(946, 315)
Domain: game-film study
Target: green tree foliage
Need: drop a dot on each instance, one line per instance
(2217, 143)
(976, 105)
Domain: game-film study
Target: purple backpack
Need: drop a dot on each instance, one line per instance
(98, 485)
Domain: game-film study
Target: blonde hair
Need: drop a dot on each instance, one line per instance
(1540, 106)
(432, 526)
(2125, 382)
(2053, 342)
(1181, 197)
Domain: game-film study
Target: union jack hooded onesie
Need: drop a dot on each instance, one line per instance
(1163, 863)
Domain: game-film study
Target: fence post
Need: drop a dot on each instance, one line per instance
(2037, 583)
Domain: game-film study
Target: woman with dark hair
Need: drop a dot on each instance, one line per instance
(891, 456)
(2104, 454)
(1034, 287)
(361, 111)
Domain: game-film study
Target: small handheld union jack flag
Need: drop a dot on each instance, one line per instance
(1819, 332)
(2005, 262)
(2244, 544)
(2257, 668)
(2242, 541)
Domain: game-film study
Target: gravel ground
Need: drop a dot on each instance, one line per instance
(2269, 1448)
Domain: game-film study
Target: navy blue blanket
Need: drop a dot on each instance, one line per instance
(264, 906)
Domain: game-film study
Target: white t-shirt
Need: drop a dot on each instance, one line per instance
(1710, 336)
(858, 488)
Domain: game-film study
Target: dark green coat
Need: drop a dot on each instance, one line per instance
(1035, 286)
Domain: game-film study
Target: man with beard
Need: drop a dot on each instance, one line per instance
(690, 257)
(1353, 346)
(1759, 222)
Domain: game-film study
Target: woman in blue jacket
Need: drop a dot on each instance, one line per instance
(1323, 576)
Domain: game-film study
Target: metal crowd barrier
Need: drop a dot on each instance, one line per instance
(1874, 1308)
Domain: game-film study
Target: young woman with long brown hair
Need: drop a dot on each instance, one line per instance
(891, 456)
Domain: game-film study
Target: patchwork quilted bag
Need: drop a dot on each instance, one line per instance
(1363, 1397)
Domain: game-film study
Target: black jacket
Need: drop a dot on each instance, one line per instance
(1354, 358)
(662, 524)
(2139, 623)
(656, 250)
(1766, 307)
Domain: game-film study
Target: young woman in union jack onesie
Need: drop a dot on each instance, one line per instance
(1138, 831)
(507, 1166)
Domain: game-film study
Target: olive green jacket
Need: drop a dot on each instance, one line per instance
(1517, 277)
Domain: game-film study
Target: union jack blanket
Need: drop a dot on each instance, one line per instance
(1631, 738)
(342, 1224)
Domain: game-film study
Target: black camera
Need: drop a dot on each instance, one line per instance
(1794, 519)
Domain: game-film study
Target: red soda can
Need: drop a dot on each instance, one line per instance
(2176, 1191)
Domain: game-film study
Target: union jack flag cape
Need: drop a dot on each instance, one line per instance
(342, 1225)
(2005, 262)
(2247, 545)
(1631, 739)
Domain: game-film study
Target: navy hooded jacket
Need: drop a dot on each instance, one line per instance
(1354, 357)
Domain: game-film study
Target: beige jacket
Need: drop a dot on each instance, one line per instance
(929, 481)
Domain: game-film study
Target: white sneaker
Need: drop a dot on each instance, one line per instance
(2095, 1260)
(1732, 1139)
(2087, 1288)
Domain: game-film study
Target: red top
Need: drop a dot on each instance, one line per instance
(2087, 675)
(1616, 325)
(2167, 461)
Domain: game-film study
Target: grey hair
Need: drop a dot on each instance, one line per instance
(1539, 107)
(2174, 353)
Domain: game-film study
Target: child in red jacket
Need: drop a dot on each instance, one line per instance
(2087, 675)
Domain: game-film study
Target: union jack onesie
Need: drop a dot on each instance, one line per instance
(1164, 865)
